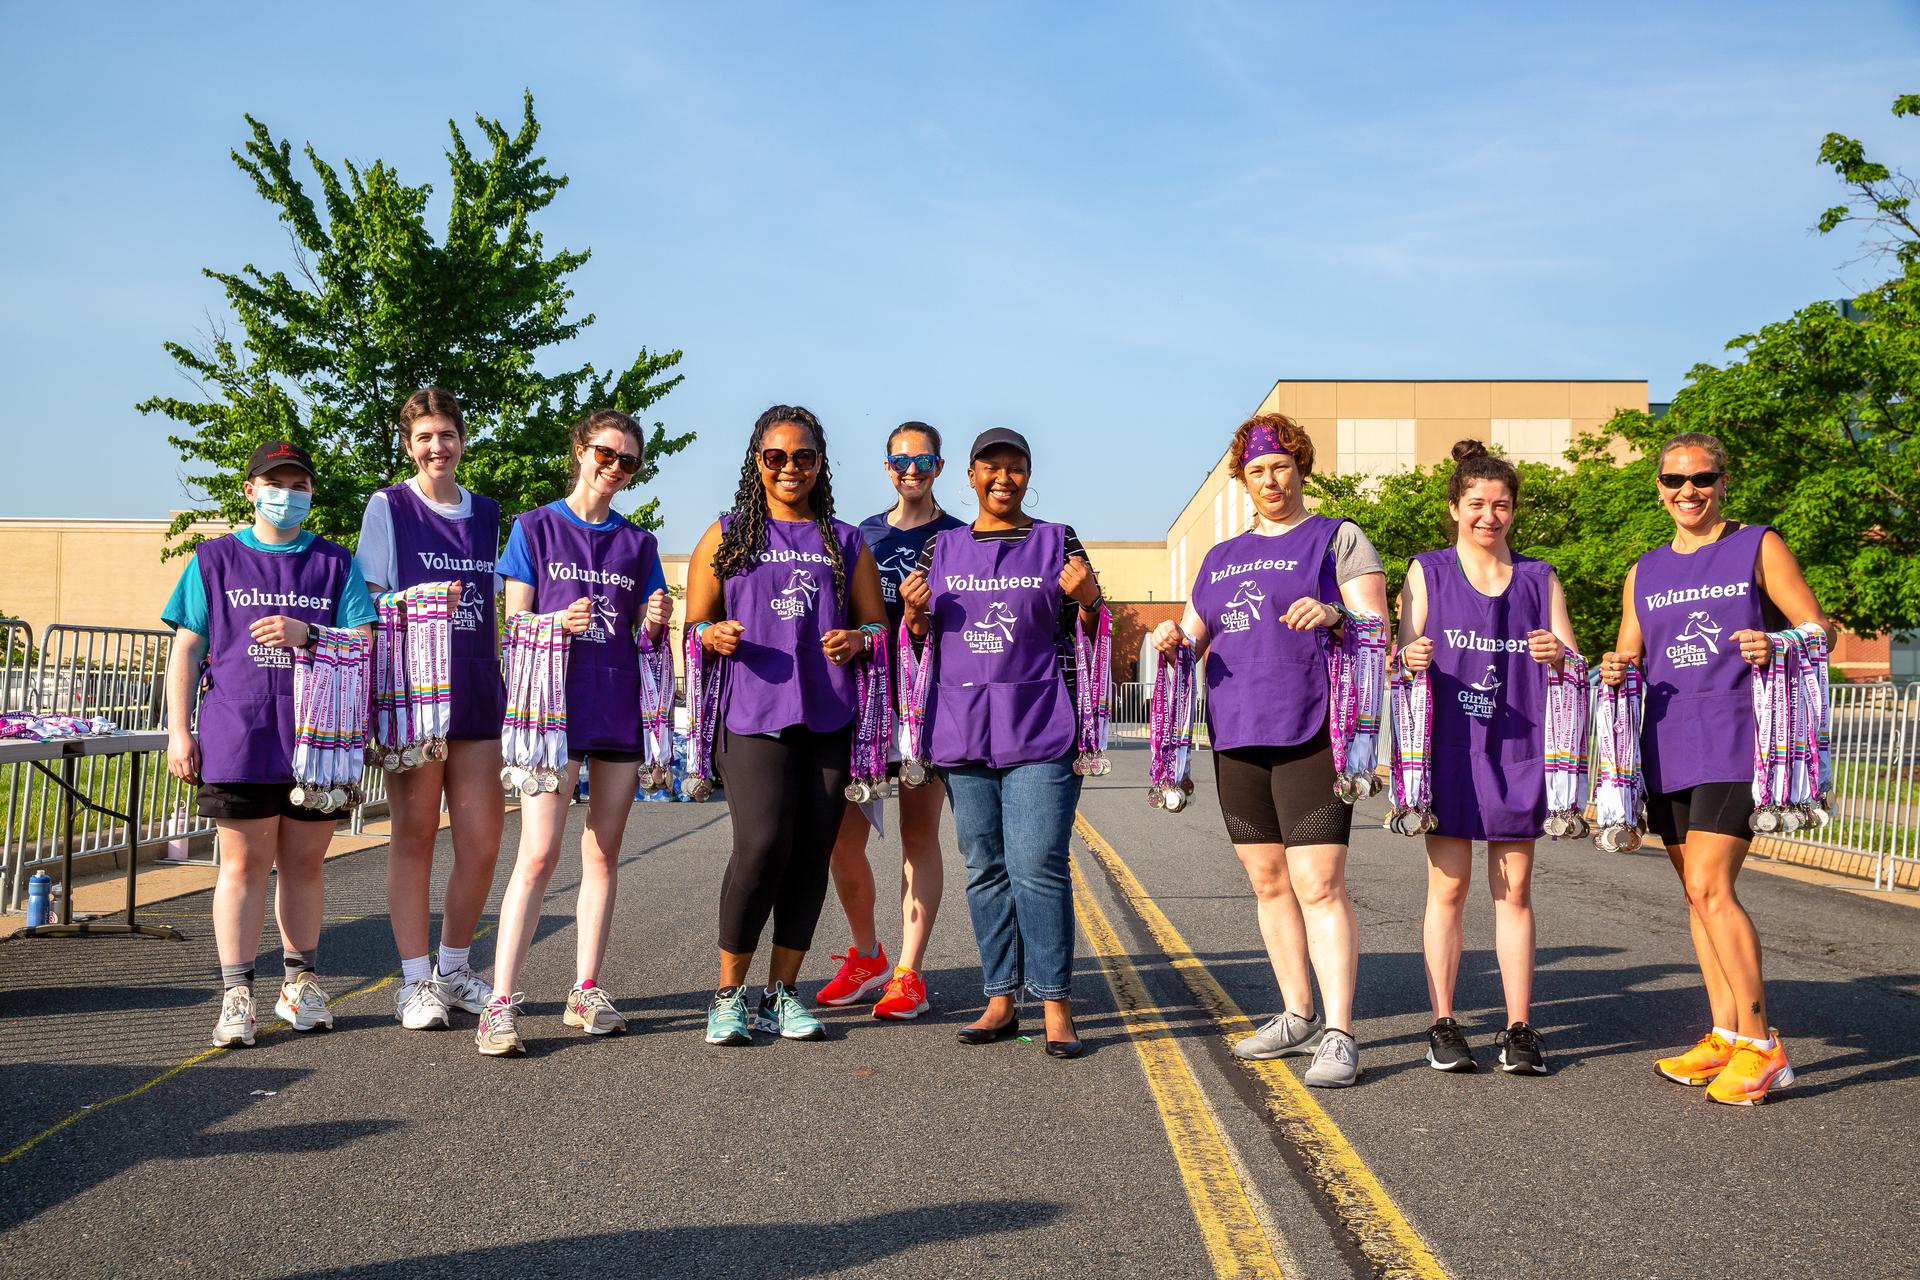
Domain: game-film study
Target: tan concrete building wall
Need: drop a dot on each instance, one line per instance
(105, 573)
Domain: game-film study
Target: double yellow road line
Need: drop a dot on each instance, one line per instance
(1236, 1241)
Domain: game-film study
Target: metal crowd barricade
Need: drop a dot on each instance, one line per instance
(1876, 777)
(1133, 708)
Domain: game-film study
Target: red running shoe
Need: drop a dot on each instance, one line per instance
(858, 976)
(906, 997)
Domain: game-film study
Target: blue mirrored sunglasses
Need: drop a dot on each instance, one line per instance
(921, 462)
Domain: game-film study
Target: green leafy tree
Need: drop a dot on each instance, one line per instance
(375, 308)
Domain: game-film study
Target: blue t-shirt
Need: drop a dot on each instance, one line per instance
(897, 551)
(187, 606)
(517, 561)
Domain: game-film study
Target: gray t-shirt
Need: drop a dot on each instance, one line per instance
(1353, 556)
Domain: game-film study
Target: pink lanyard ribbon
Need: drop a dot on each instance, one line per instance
(1170, 731)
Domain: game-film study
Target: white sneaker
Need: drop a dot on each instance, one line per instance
(303, 1005)
(498, 1035)
(464, 989)
(421, 1005)
(236, 1017)
(591, 1009)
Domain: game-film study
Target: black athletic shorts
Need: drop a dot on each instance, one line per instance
(611, 757)
(1282, 795)
(245, 801)
(1719, 807)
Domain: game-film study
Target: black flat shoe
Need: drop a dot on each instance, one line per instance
(1065, 1048)
(988, 1035)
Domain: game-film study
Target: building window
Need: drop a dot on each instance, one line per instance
(1533, 439)
(1374, 446)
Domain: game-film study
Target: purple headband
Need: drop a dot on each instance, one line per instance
(1260, 441)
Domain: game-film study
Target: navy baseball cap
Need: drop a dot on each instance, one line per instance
(279, 453)
(996, 437)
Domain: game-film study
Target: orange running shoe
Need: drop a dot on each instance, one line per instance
(906, 997)
(1700, 1064)
(858, 975)
(1752, 1073)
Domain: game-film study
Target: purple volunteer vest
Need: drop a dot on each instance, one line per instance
(998, 696)
(611, 566)
(1266, 683)
(1697, 723)
(428, 547)
(246, 696)
(1489, 700)
(779, 676)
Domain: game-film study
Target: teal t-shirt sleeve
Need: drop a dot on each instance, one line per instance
(356, 606)
(187, 606)
(516, 561)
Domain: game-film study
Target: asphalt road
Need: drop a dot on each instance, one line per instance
(889, 1150)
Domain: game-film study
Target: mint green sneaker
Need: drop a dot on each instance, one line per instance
(782, 1013)
(727, 1018)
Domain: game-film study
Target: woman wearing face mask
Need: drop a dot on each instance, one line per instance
(429, 529)
(244, 602)
(780, 590)
(1000, 600)
(1696, 612)
(895, 537)
(1263, 609)
(581, 557)
(1478, 617)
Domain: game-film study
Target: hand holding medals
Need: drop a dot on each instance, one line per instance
(703, 699)
(1356, 670)
(1170, 731)
(331, 683)
(533, 736)
(1565, 731)
(1792, 751)
(873, 717)
(1618, 785)
(413, 689)
(1093, 686)
(1412, 780)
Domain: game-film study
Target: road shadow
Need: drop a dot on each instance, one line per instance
(768, 1251)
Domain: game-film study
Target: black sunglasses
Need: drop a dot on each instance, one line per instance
(629, 462)
(777, 459)
(921, 462)
(1699, 479)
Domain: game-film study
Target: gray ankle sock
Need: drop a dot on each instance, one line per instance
(236, 975)
(299, 962)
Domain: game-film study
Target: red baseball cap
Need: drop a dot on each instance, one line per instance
(279, 453)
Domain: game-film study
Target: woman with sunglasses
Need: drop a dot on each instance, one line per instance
(1263, 608)
(782, 591)
(895, 537)
(243, 603)
(581, 557)
(1001, 601)
(429, 529)
(1695, 615)
(1480, 618)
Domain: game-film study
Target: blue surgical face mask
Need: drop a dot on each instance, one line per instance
(282, 508)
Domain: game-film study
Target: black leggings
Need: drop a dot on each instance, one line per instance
(786, 798)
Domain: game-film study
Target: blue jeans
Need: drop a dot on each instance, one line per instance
(1013, 826)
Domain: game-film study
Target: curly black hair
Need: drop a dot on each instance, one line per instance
(745, 536)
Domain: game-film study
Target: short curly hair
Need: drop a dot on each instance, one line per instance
(1293, 438)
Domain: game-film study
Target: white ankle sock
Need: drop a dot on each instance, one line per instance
(415, 970)
(1764, 1046)
(453, 959)
(1727, 1034)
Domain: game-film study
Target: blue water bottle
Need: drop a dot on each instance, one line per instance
(39, 900)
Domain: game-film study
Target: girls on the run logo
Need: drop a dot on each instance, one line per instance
(1241, 612)
(1478, 698)
(994, 632)
(796, 598)
(1697, 641)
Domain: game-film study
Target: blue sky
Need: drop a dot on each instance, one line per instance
(1111, 226)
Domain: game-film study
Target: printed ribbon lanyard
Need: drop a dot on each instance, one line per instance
(1792, 746)
(533, 734)
(1093, 692)
(916, 682)
(656, 712)
(1170, 731)
(873, 718)
(1565, 732)
(1356, 671)
(387, 642)
(1813, 680)
(705, 675)
(330, 685)
(1618, 785)
(1412, 700)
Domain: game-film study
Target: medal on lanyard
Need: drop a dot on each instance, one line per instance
(1093, 692)
(1564, 729)
(330, 685)
(916, 682)
(656, 711)
(1792, 748)
(873, 717)
(556, 643)
(1773, 700)
(1356, 674)
(1617, 780)
(533, 734)
(1170, 731)
(1411, 697)
(705, 673)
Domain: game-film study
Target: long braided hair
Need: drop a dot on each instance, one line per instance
(746, 534)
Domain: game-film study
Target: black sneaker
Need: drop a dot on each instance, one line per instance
(1447, 1048)
(1520, 1051)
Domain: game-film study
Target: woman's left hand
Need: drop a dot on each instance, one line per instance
(659, 611)
(1754, 647)
(1077, 581)
(842, 646)
(1544, 647)
(1306, 613)
(280, 632)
